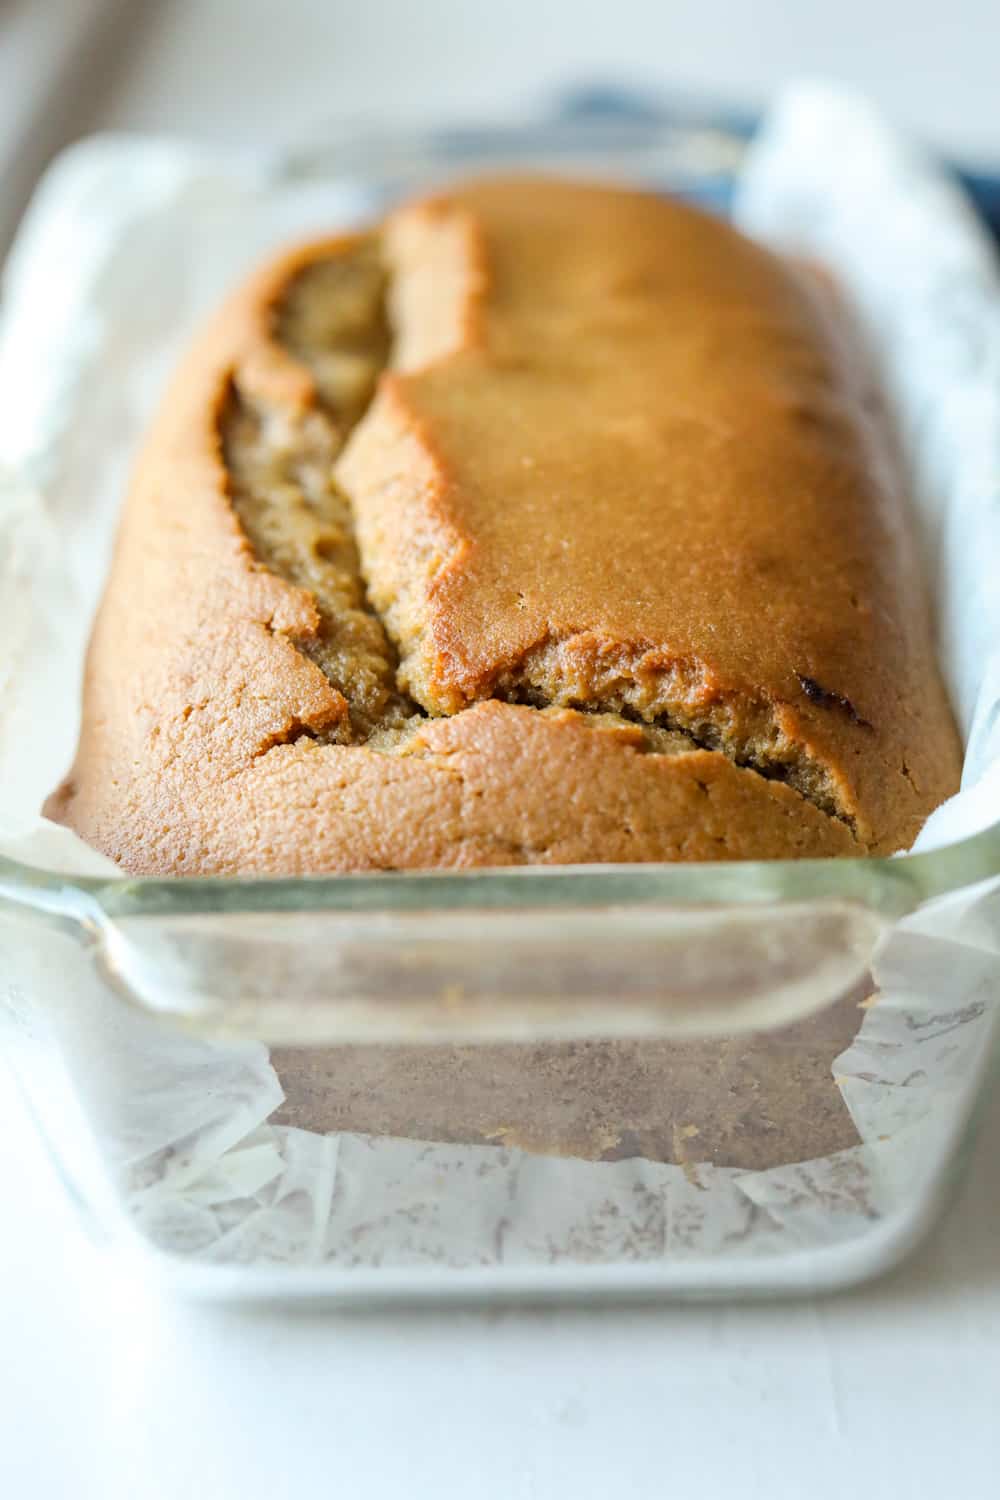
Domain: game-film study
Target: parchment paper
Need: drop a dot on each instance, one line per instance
(128, 242)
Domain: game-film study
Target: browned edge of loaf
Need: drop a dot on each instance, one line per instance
(749, 1102)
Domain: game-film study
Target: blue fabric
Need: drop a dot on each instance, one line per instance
(599, 102)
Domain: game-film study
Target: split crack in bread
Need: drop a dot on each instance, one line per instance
(545, 523)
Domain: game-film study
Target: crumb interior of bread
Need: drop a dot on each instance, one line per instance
(333, 319)
(744, 731)
(280, 464)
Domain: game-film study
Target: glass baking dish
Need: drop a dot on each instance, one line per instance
(683, 1081)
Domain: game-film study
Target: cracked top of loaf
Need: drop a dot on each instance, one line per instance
(545, 522)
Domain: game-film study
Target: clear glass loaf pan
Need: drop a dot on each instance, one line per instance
(671, 1080)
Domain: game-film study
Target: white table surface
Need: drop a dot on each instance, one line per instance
(111, 1390)
(108, 1389)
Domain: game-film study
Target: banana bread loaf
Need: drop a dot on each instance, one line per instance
(544, 523)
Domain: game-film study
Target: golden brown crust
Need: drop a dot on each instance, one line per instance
(620, 467)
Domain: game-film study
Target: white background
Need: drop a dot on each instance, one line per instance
(253, 67)
(106, 1388)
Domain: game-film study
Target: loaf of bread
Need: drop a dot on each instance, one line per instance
(543, 523)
